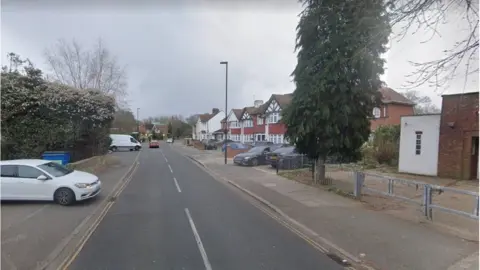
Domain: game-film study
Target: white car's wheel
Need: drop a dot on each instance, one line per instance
(64, 196)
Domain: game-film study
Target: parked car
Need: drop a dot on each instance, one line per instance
(253, 157)
(170, 140)
(122, 141)
(272, 157)
(154, 144)
(43, 180)
(261, 143)
(291, 161)
(210, 145)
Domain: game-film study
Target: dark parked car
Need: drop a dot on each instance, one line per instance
(291, 161)
(261, 143)
(255, 156)
(210, 145)
(280, 152)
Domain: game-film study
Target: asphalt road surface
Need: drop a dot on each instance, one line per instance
(173, 215)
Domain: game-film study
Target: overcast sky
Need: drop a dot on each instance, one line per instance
(172, 51)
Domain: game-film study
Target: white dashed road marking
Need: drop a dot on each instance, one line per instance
(199, 241)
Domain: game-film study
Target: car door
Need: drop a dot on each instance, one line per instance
(33, 188)
(9, 186)
(263, 158)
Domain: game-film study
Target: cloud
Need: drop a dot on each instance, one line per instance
(172, 55)
(172, 49)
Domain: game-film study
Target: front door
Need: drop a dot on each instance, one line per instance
(474, 159)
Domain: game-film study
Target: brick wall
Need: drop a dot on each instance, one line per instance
(278, 128)
(391, 114)
(458, 124)
(233, 152)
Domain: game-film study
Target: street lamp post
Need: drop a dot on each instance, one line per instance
(138, 124)
(226, 98)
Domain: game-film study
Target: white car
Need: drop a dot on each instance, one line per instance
(44, 180)
(169, 140)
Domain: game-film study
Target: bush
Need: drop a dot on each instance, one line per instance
(39, 116)
(384, 147)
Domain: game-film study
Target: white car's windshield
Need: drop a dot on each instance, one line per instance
(55, 169)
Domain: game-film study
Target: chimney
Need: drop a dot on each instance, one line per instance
(257, 103)
(215, 110)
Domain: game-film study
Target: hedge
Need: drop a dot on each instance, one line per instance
(39, 116)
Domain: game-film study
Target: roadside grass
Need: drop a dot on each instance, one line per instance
(304, 176)
(95, 165)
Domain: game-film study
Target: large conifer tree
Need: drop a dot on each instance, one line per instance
(337, 77)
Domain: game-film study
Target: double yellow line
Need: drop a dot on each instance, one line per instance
(116, 192)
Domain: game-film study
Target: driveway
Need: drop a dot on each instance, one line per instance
(33, 233)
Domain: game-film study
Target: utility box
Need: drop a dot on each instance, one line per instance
(61, 157)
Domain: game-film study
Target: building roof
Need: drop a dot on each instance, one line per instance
(207, 116)
(237, 112)
(459, 94)
(283, 100)
(252, 110)
(390, 96)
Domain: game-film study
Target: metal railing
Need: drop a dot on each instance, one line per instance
(293, 162)
(427, 194)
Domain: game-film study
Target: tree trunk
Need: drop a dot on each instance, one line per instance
(320, 172)
(313, 173)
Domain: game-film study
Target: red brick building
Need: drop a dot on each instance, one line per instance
(458, 141)
(394, 106)
(261, 122)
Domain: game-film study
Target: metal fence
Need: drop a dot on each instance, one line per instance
(423, 196)
(293, 162)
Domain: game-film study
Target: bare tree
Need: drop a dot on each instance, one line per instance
(414, 15)
(82, 68)
(423, 104)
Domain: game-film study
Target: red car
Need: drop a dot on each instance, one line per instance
(154, 144)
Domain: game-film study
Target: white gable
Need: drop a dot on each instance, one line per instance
(215, 122)
(246, 116)
(231, 117)
(273, 107)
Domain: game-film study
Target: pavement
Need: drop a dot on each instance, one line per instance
(175, 215)
(36, 233)
(369, 238)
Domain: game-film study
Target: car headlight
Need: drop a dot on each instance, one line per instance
(83, 185)
(246, 158)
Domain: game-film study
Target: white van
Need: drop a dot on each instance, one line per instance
(121, 141)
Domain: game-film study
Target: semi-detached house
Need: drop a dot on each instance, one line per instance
(262, 121)
(208, 124)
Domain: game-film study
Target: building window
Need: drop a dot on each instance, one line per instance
(234, 124)
(248, 123)
(259, 121)
(418, 142)
(376, 112)
(274, 118)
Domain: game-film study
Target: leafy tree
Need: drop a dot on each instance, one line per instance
(170, 128)
(39, 116)
(423, 104)
(124, 121)
(339, 44)
(178, 132)
(192, 119)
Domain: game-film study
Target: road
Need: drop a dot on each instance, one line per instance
(174, 215)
